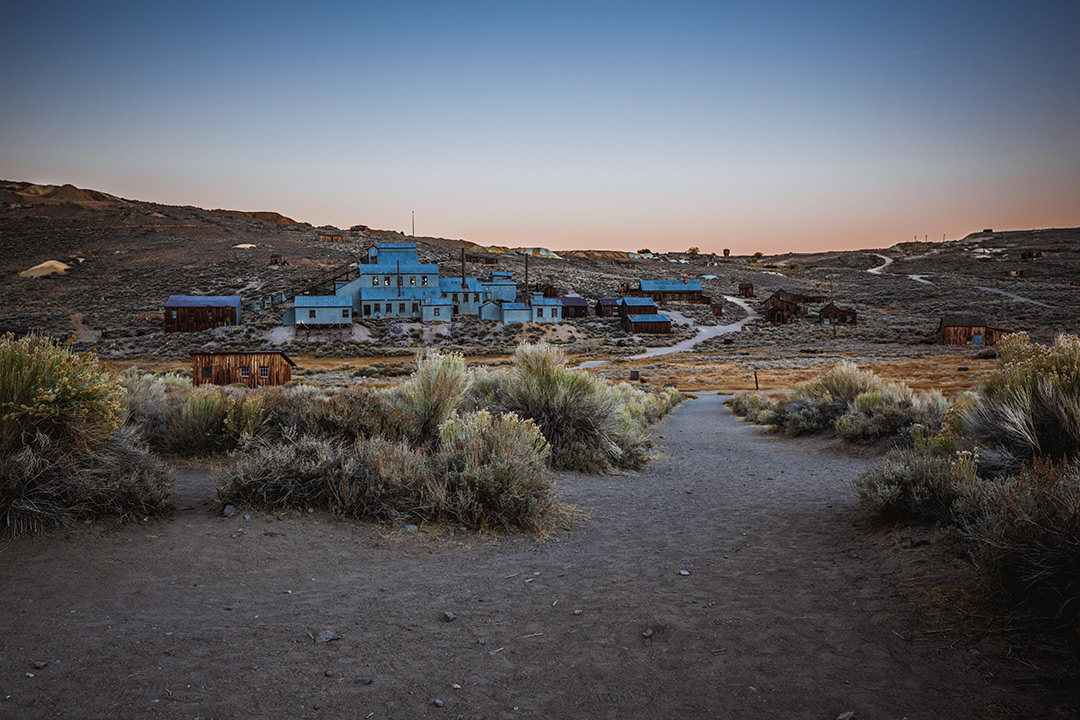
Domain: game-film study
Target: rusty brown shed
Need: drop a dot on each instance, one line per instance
(193, 313)
(254, 369)
(833, 315)
(967, 330)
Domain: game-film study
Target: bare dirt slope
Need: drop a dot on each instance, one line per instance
(789, 608)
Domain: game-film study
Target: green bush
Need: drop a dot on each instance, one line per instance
(757, 408)
(46, 389)
(434, 392)
(494, 470)
(64, 454)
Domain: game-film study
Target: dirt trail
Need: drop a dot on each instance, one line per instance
(788, 609)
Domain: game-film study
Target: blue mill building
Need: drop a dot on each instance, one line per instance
(392, 283)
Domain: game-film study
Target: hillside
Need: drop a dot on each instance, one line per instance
(128, 256)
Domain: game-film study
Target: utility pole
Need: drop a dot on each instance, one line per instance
(413, 224)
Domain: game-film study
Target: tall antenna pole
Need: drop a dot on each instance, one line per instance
(413, 224)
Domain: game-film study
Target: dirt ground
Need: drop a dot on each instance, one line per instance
(734, 577)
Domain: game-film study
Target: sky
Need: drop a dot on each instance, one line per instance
(765, 126)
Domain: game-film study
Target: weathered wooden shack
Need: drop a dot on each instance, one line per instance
(481, 259)
(194, 313)
(833, 315)
(574, 307)
(654, 324)
(779, 311)
(967, 330)
(607, 306)
(746, 290)
(331, 238)
(638, 306)
(254, 369)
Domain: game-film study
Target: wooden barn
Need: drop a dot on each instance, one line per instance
(194, 313)
(481, 258)
(574, 307)
(833, 315)
(254, 369)
(637, 306)
(746, 290)
(779, 311)
(655, 324)
(607, 307)
(967, 330)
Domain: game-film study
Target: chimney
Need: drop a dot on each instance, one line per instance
(684, 280)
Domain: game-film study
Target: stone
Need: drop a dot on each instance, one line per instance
(327, 636)
(647, 633)
(846, 715)
(411, 528)
(229, 511)
(684, 573)
(449, 616)
(437, 702)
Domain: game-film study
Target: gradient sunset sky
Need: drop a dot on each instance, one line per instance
(771, 126)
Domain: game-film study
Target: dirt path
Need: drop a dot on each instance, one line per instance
(788, 609)
(1014, 296)
(881, 268)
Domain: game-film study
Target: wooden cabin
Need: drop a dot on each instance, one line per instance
(481, 258)
(607, 306)
(779, 311)
(254, 369)
(967, 330)
(637, 306)
(195, 313)
(654, 324)
(574, 307)
(746, 290)
(833, 315)
(685, 290)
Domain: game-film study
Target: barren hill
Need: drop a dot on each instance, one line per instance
(128, 256)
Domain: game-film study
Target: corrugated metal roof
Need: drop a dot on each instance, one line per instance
(514, 306)
(610, 301)
(453, 284)
(638, 301)
(392, 267)
(311, 301)
(203, 301)
(670, 285)
(396, 246)
(574, 301)
(248, 352)
(546, 301)
(658, 317)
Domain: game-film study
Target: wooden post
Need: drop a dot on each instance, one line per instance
(755, 381)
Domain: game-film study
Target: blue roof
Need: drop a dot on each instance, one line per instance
(453, 284)
(395, 246)
(203, 301)
(436, 302)
(502, 274)
(392, 267)
(631, 301)
(545, 301)
(670, 285)
(514, 306)
(658, 317)
(311, 301)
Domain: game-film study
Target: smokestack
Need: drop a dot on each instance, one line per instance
(684, 281)
(526, 272)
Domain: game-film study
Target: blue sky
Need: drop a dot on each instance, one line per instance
(772, 126)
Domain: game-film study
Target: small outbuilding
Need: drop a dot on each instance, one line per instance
(780, 311)
(254, 369)
(654, 324)
(607, 306)
(195, 313)
(746, 290)
(574, 307)
(320, 310)
(833, 315)
(967, 330)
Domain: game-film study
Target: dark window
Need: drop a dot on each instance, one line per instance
(378, 307)
(454, 298)
(400, 280)
(374, 282)
(245, 372)
(412, 280)
(367, 310)
(345, 312)
(387, 281)
(539, 312)
(264, 372)
(476, 297)
(415, 307)
(173, 314)
(311, 314)
(423, 280)
(436, 312)
(401, 307)
(207, 373)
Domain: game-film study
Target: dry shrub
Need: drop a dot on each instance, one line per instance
(755, 407)
(64, 454)
(1027, 532)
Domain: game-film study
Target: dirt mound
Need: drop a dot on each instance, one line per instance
(46, 268)
(261, 215)
(64, 193)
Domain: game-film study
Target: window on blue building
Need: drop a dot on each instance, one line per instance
(412, 281)
(345, 313)
(423, 280)
(374, 282)
(401, 308)
(386, 281)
